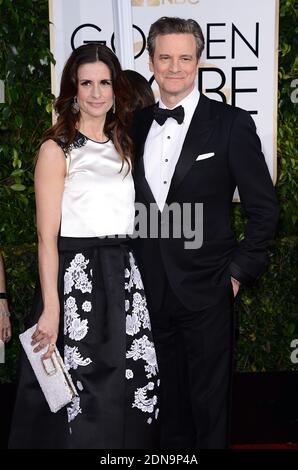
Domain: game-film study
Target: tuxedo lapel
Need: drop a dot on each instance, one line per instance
(142, 184)
(140, 139)
(199, 132)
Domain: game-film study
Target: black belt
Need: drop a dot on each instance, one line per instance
(71, 243)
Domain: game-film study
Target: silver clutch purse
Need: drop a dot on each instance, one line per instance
(51, 374)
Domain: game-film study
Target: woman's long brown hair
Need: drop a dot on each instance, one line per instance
(116, 125)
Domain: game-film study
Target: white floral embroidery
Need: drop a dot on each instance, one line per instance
(76, 276)
(129, 374)
(75, 327)
(71, 303)
(80, 385)
(146, 320)
(135, 351)
(150, 386)
(78, 329)
(68, 283)
(142, 348)
(150, 357)
(73, 359)
(135, 273)
(156, 413)
(140, 308)
(87, 306)
(79, 259)
(83, 284)
(137, 320)
(132, 324)
(70, 313)
(139, 303)
(142, 402)
(74, 409)
(126, 273)
(127, 286)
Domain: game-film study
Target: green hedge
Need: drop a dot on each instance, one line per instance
(266, 313)
(21, 271)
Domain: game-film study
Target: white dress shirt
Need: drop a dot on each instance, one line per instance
(163, 147)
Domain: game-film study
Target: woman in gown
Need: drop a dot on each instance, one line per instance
(90, 299)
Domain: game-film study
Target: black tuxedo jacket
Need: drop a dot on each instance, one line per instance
(199, 276)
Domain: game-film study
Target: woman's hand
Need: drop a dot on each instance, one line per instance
(5, 328)
(46, 332)
(5, 325)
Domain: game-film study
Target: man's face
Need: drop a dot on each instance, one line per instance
(175, 66)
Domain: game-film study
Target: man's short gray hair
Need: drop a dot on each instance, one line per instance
(175, 25)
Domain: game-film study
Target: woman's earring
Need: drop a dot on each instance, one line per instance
(75, 107)
(114, 106)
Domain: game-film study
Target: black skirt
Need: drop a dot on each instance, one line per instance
(106, 340)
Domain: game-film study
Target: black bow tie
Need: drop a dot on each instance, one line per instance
(161, 115)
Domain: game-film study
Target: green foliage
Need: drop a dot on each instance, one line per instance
(24, 68)
(287, 183)
(21, 269)
(267, 319)
(267, 314)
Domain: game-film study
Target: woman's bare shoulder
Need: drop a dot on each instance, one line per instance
(51, 157)
(50, 147)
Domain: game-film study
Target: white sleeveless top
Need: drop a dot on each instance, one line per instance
(98, 199)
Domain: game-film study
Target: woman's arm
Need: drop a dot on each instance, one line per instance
(49, 185)
(5, 326)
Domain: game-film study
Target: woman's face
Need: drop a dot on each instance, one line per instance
(95, 91)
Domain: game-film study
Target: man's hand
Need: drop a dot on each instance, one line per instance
(236, 286)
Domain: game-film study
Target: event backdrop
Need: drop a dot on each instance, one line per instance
(267, 319)
(239, 63)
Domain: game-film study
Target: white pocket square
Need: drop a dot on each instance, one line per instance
(203, 156)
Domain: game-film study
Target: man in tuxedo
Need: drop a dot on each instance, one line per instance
(191, 150)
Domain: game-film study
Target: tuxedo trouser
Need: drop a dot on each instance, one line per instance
(195, 355)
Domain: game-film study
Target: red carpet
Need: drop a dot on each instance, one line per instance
(288, 445)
